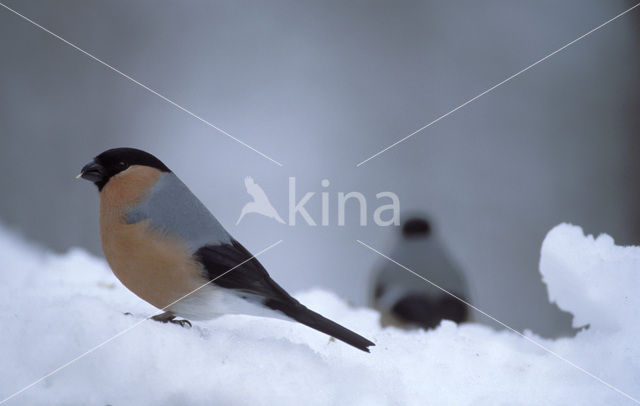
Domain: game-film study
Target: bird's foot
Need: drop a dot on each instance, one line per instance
(168, 317)
(182, 323)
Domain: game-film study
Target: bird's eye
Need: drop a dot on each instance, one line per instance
(122, 165)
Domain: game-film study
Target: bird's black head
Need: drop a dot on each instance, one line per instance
(416, 227)
(113, 161)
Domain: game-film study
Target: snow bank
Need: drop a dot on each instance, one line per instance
(56, 307)
(593, 278)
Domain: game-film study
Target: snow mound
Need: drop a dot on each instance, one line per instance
(56, 307)
(592, 278)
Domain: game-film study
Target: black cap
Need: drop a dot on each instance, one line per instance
(416, 227)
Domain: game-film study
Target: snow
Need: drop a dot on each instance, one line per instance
(56, 307)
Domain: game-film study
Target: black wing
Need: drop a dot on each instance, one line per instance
(248, 276)
(251, 277)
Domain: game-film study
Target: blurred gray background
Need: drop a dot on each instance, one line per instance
(320, 86)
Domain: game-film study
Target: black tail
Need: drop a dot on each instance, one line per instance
(312, 319)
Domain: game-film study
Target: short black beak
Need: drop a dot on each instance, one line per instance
(92, 171)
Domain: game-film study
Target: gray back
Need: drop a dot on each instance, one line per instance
(429, 258)
(173, 209)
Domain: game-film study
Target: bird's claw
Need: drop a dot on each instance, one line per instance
(168, 317)
(182, 323)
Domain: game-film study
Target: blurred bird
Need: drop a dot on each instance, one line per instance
(167, 248)
(406, 301)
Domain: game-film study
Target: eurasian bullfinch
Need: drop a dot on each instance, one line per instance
(164, 245)
(405, 301)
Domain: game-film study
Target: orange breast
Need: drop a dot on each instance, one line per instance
(152, 265)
